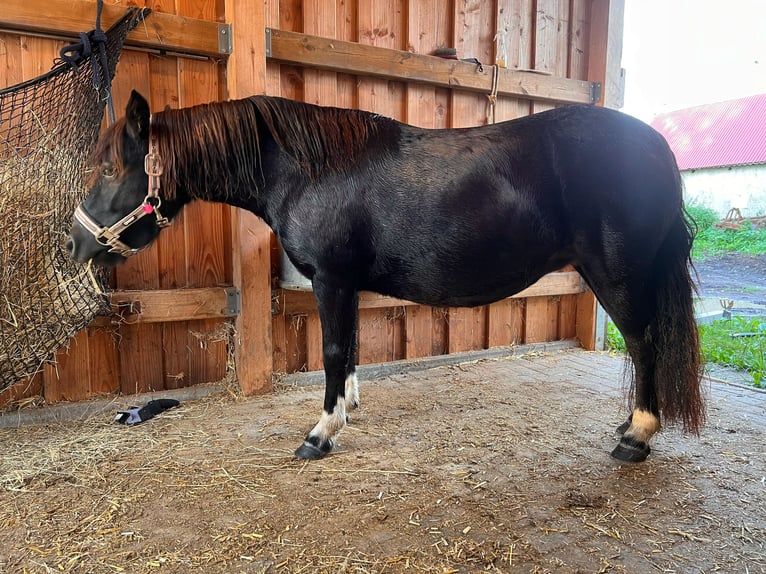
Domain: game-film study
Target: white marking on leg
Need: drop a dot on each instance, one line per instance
(330, 424)
(643, 425)
(352, 392)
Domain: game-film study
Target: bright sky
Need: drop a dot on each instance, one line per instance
(683, 53)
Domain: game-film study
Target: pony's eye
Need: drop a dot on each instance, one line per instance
(108, 171)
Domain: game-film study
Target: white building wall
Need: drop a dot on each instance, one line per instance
(722, 188)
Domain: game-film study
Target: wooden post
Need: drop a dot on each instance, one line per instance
(251, 237)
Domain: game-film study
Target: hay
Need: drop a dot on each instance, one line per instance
(48, 127)
(43, 296)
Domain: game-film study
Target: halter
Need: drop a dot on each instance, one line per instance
(110, 236)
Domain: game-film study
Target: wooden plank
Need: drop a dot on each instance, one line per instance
(536, 320)
(164, 305)
(374, 61)
(295, 343)
(373, 336)
(320, 87)
(314, 356)
(251, 237)
(418, 331)
(291, 302)
(67, 18)
(422, 34)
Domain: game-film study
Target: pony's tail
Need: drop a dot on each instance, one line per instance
(674, 331)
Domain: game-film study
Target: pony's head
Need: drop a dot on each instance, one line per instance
(123, 211)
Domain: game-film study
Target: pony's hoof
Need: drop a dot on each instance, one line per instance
(631, 450)
(309, 452)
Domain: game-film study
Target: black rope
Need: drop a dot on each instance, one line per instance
(74, 54)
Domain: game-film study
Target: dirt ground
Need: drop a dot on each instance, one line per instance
(735, 276)
(495, 466)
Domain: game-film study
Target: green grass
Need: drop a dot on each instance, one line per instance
(711, 241)
(719, 347)
(744, 352)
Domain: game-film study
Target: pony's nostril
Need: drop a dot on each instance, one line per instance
(69, 246)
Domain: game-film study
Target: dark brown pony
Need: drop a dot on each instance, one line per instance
(457, 217)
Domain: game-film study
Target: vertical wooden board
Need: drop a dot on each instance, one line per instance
(563, 31)
(379, 24)
(289, 14)
(517, 18)
(499, 323)
(422, 19)
(567, 317)
(578, 40)
(295, 343)
(140, 353)
(10, 60)
(397, 346)
(140, 347)
(373, 336)
(460, 329)
(479, 328)
(38, 55)
(518, 321)
(472, 39)
(171, 254)
(69, 378)
(207, 234)
(586, 320)
(279, 342)
(536, 320)
(103, 362)
(175, 355)
(314, 357)
(440, 331)
(320, 20)
(553, 314)
(418, 330)
(545, 42)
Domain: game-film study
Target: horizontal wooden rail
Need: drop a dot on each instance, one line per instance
(288, 302)
(166, 305)
(366, 60)
(164, 32)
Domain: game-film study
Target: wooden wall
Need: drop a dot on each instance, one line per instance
(212, 245)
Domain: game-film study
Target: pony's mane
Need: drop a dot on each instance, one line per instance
(318, 138)
(216, 146)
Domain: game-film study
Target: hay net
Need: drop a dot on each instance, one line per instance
(48, 127)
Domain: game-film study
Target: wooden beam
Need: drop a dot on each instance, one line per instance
(290, 302)
(251, 237)
(365, 60)
(165, 305)
(160, 31)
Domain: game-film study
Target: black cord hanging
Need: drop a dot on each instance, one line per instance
(74, 54)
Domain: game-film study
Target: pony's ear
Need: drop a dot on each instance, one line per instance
(137, 116)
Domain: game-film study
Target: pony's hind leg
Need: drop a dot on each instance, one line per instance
(338, 309)
(632, 311)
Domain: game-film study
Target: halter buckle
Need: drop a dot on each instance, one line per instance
(153, 164)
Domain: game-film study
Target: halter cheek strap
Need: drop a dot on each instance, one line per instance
(110, 236)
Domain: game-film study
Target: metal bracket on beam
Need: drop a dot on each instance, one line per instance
(233, 302)
(595, 92)
(268, 42)
(224, 38)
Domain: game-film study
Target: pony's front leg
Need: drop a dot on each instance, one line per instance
(338, 310)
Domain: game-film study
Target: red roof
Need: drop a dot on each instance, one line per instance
(714, 135)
